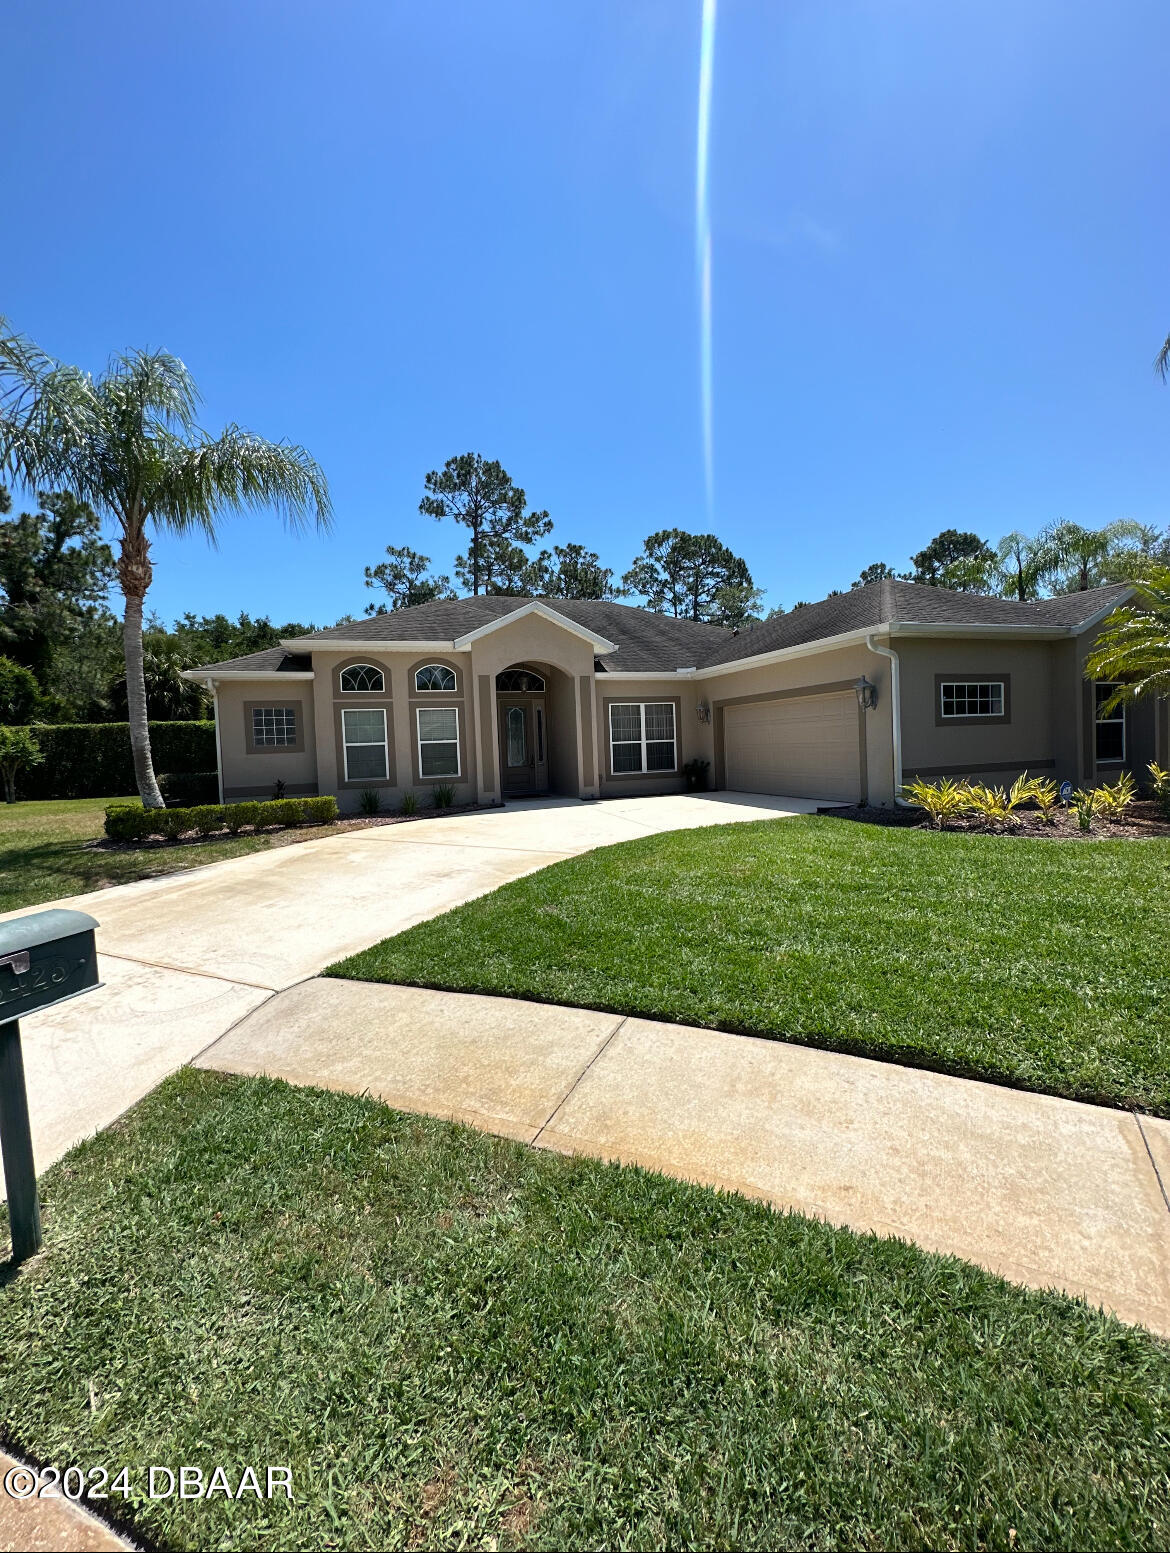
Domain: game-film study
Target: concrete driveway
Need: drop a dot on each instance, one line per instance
(184, 957)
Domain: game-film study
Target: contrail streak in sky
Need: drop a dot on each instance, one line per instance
(703, 245)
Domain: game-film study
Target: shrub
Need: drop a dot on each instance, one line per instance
(1084, 805)
(409, 804)
(944, 800)
(1160, 787)
(182, 789)
(1044, 794)
(207, 817)
(443, 794)
(369, 800)
(237, 815)
(992, 805)
(20, 695)
(292, 811)
(320, 811)
(85, 760)
(126, 822)
(1115, 799)
(278, 790)
(169, 823)
(19, 751)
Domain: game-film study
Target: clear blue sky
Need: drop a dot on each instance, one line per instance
(395, 232)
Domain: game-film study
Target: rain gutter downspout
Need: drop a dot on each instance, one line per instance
(895, 714)
(213, 686)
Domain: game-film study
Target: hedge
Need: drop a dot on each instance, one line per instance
(131, 822)
(93, 760)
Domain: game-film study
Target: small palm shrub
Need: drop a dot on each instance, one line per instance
(992, 805)
(237, 815)
(409, 804)
(443, 794)
(941, 801)
(1084, 805)
(1115, 799)
(1160, 786)
(369, 800)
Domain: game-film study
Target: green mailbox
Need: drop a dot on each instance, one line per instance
(44, 959)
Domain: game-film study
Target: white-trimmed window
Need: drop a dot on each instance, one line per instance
(435, 676)
(274, 727)
(363, 734)
(642, 736)
(1110, 726)
(363, 677)
(438, 741)
(971, 698)
(516, 682)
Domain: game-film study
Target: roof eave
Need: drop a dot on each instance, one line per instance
(205, 676)
(600, 644)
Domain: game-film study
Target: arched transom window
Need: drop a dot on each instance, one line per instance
(519, 681)
(434, 676)
(363, 676)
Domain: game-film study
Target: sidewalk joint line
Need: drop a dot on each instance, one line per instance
(187, 970)
(1153, 1161)
(572, 1089)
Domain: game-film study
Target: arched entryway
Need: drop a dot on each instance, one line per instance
(522, 729)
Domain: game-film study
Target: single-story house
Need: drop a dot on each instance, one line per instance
(842, 700)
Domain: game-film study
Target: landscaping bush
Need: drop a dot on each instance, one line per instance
(126, 822)
(1160, 787)
(184, 789)
(409, 805)
(237, 815)
(280, 811)
(86, 760)
(320, 811)
(443, 794)
(369, 800)
(206, 818)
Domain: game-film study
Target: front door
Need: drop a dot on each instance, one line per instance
(523, 756)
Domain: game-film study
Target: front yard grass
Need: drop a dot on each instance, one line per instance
(1031, 963)
(44, 853)
(457, 1341)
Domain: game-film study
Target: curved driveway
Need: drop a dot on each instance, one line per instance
(185, 956)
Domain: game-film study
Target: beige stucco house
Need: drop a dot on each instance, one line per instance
(500, 697)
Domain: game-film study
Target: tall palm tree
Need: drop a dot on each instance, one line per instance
(1019, 567)
(1134, 645)
(1075, 558)
(127, 443)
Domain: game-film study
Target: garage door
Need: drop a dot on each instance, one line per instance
(806, 747)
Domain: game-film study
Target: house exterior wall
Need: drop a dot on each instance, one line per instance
(248, 772)
(690, 743)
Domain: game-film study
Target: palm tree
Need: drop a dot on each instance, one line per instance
(1076, 558)
(127, 443)
(1134, 645)
(1019, 566)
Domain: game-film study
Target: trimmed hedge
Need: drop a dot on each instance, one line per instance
(88, 760)
(131, 822)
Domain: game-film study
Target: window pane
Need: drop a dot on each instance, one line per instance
(660, 757)
(438, 759)
(362, 676)
(364, 762)
(627, 757)
(625, 722)
(517, 740)
(660, 721)
(438, 722)
(1110, 741)
(363, 725)
(273, 726)
(1117, 715)
(435, 676)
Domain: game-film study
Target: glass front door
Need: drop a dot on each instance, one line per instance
(523, 758)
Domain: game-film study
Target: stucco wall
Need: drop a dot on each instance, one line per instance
(692, 740)
(250, 773)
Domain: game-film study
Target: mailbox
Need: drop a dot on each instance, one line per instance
(44, 959)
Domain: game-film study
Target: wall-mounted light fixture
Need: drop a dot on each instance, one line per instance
(703, 712)
(866, 694)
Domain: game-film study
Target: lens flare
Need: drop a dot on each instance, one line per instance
(703, 245)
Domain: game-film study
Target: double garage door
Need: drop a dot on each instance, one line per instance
(802, 747)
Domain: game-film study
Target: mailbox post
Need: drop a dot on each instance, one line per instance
(44, 959)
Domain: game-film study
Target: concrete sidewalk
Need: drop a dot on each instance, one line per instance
(182, 957)
(1044, 1191)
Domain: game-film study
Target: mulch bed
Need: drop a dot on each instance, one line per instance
(1145, 820)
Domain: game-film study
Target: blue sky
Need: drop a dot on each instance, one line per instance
(395, 232)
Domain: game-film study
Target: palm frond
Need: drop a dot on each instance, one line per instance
(1162, 360)
(192, 484)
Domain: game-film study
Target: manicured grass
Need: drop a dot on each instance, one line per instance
(456, 1341)
(1038, 963)
(43, 852)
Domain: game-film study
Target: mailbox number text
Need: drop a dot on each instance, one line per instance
(49, 973)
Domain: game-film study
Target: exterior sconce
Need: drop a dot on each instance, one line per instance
(866, 694)
(703, 712)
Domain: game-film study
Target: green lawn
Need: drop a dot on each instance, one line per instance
(1038, 963)
(457, 1341)
(43, 852)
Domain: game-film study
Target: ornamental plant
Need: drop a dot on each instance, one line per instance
(18, 751)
